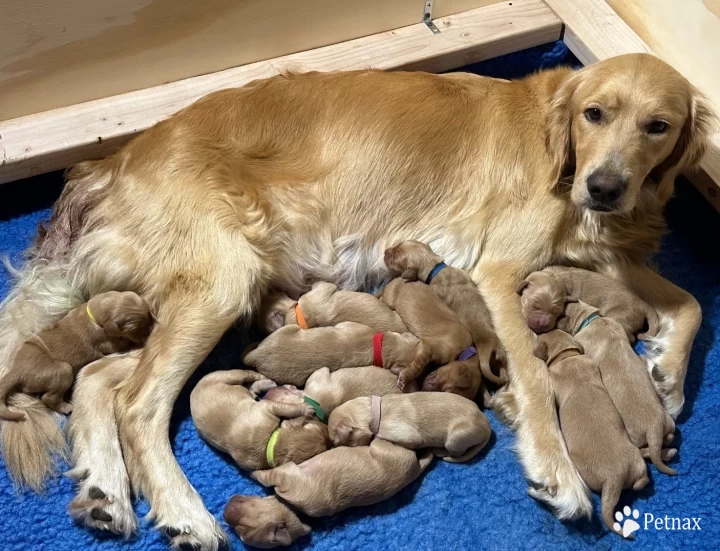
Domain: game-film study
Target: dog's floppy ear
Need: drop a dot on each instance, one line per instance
(279, 533)
(411, 274)
(541, 351)
(690, 147)
(522, 286)
(343, 431)
(558, 137)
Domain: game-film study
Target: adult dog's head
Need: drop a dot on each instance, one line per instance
(621, 120)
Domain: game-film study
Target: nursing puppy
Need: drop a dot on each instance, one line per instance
(453, 426)
(46, 363)
(324, 306)
(625, 377)
(228, 417)
(330, 389)
(291, 354)
(612, 299)
(426, 316)
(413, 260)
(461, 377)
(542, 300)
(264, 522)
(593, 430)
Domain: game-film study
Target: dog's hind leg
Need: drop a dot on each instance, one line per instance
(103, 499)
(194, 312)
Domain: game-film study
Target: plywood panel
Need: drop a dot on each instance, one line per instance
(56, 139)
(54, 54)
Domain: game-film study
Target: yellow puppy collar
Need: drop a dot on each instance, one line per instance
(90, 315)
(270, 451)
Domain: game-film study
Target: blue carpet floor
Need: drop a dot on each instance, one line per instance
(461, 506)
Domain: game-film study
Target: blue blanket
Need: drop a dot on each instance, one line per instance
(453, 506)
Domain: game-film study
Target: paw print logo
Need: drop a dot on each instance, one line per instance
(626, 525)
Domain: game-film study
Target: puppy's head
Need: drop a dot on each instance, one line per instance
(550, 345)
(272, 312)
(299, 440)
(263, 522)
(543, 298)
(123, 314)
(617, 122)
(411, 260)
(459, 377)
(349, 424)
(289, 394)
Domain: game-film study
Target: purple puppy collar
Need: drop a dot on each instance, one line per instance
(375, 414)
(467, 354)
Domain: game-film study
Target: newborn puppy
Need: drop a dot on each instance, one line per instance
(593, 430)
(461, 377)
(46, 363)
(453, 426)
(612, 299)
(322, 486)
(264, 522)
(413, 260)
(330, 389)
(326, 306)
(345, 477)
(625, 377)
(542, 299)
(426, 316)
(291, 354)
(228, 417)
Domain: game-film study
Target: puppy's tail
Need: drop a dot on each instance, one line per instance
(6, 388)
(610, 496)
(469, 454)
(655, 438)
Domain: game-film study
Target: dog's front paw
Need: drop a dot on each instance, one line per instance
(203, 534)
(102, 510)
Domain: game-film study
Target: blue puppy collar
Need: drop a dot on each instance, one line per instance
(588, 320)
(435, 271)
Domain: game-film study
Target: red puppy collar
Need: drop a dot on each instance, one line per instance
(377, 349)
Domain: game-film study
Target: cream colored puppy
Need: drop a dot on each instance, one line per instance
(227, 415)
(291, 354)
(330, 389)
(453, 426)
(324, 306)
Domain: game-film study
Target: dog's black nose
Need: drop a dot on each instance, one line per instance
(605, 188)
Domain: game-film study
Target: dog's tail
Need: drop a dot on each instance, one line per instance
(47, 287)
(611, 491)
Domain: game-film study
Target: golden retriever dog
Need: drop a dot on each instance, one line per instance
(310, 177)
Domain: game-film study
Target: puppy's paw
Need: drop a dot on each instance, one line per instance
(101, 510)
(261, 387)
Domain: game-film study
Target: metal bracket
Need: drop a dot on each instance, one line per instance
(427, 17)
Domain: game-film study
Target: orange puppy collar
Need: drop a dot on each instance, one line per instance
(300, 318)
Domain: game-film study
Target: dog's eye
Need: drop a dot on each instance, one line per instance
(593, 114)
(657, 127)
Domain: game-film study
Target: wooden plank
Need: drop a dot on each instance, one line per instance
(82, 50)
(594, 31)
(58, 138)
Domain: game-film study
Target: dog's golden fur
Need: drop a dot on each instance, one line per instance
(308, 177)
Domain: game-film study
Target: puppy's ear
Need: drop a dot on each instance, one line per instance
(279, 533)
(690, 147)
(558, 137)
(343, 431)
(569, 299)
(541, 351)
(522, 286)
(411, 274)
(276, 320)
